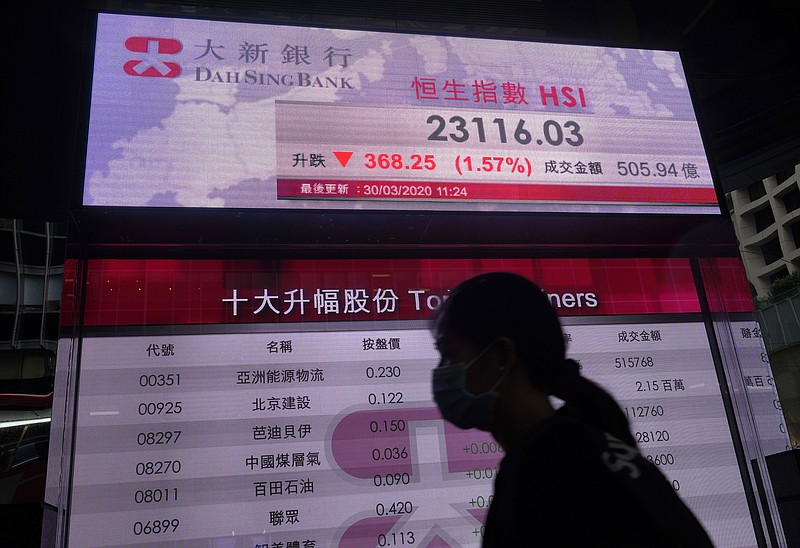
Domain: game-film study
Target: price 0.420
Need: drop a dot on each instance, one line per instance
(394, 508)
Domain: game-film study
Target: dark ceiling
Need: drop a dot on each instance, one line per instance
(741, 58)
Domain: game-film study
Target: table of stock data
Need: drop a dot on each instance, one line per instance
(322, 438)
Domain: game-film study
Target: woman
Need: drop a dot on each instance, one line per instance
(571, 477)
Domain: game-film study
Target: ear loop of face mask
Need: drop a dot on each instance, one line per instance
(470, 363)
(457, 405)
(501, 368)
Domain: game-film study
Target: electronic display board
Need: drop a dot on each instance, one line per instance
(195, 113)
(759, 383)
(287, 403)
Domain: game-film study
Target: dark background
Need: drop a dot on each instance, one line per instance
(740, 57)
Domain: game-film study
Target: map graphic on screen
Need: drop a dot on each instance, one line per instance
(192, 113)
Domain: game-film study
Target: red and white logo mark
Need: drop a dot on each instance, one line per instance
(151, 65)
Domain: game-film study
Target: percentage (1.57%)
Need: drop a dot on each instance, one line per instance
(494, 164)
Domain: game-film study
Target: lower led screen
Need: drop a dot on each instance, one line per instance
(290, 404)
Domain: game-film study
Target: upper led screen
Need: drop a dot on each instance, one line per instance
(192, 113)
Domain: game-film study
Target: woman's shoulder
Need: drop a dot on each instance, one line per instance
(559, 441)
(566, 428)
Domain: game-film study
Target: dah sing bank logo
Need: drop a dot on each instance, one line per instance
(152, 64)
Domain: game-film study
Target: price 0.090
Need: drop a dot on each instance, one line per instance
(388, 480)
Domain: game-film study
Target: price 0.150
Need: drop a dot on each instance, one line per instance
(392, 425)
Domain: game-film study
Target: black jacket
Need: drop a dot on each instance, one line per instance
(570, 484)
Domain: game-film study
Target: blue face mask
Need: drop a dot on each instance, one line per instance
(456, 404)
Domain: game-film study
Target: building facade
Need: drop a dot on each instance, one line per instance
(766, 217)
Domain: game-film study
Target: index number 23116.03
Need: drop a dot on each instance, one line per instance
(461, 130)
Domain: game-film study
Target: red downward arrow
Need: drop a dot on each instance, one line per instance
(343, 157)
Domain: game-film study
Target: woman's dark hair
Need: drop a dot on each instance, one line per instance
(502, 304)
